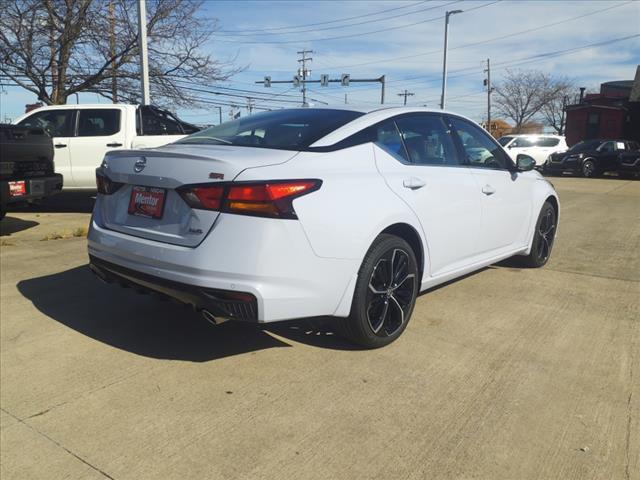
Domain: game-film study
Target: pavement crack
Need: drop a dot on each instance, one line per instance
(39, 413)
(58, 444)
(586, 274)
(627, 447)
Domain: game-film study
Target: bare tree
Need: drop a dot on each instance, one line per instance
(57, 48)
(554, 110)
(522, 95)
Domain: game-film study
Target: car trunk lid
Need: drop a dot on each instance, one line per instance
(152, 177)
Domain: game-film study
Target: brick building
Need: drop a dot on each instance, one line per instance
(614, 112)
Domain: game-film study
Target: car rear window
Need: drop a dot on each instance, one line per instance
(547, 142)
(290, 129)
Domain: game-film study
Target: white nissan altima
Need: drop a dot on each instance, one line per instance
(318, 212)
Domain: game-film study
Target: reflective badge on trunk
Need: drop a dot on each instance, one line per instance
(146, 202)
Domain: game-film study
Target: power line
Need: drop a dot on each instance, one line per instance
(306, 40)
(328, 22)
(482, 42)
(181, 84)
(514, 63)
(385, 19)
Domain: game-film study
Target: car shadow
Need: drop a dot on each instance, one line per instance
(139, 324)
(317, 332)
(11, 225)
(147, 326)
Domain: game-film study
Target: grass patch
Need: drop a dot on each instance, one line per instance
(78, 232)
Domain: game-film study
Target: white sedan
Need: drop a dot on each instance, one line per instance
(318, 212)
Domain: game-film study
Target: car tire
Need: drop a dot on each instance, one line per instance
(589, 169)
(543, 237)
(385, 293)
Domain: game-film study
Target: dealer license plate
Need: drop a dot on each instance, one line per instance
(17, 189)
(147, 202)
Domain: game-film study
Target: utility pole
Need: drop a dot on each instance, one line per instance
(383, 81)
(250, 105)
(112, 52)
(142, 45)
(487, 83)
(345, 98)
(304, 73)
(444, 60)
(406, 94)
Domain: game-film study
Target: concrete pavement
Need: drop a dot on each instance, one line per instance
(505, 374)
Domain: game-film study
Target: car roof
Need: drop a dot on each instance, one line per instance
(525, 135)
(372, 115)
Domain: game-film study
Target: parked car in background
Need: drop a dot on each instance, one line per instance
(539, 147)
(82, 134)
(629, 161)
(26, 166)
(592, 158)
(318, 212)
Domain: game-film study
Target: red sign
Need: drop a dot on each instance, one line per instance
(17, 189)
(147, 202)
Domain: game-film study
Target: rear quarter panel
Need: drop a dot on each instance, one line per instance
(352, 207)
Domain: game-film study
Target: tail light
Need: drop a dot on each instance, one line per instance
(105, 185)
(262, 199)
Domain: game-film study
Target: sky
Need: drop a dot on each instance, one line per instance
(588, 41)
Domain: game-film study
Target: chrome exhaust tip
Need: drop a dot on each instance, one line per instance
(212, 319)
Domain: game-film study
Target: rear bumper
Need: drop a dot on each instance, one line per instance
(268, 258)
(38, 187)
(219, 303)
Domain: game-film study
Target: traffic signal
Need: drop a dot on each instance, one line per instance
(344, 80)
(267, 81)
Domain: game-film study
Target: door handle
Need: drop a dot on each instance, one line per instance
(413, 183)
(60, 145)
(114, 144)
(488, 190)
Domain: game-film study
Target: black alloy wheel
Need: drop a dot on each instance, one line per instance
(589, 169)
(543, 237)
(385, 293)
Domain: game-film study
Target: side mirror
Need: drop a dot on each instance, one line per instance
(524, 163)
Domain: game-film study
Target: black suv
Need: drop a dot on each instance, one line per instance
(592, 158)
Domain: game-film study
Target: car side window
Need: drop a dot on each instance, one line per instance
(387, 137)
(98, 122)
(548, 142)
(157, 122)
(607, 147)
(480, 150)
(427, 140)
(522, 143)
(57, 123)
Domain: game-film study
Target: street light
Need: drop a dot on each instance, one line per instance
(444, 62)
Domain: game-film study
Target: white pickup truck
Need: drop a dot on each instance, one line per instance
(82, 134)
